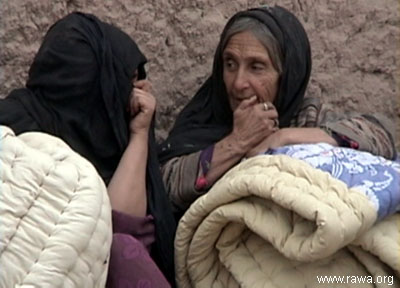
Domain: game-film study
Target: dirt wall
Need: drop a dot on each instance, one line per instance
(355, 45)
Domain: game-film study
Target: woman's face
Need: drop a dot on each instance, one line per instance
(248, 70)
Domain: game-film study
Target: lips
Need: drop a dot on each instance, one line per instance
(240, 99)
(235, 101)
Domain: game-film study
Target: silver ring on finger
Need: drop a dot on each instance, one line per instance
(265, 106)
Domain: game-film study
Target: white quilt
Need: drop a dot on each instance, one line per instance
(277, 222)
(55, 215)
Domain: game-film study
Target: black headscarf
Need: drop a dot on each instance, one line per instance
(207, 118)
(78, 89)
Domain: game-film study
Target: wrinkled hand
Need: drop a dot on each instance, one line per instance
(142, 107)
(252, 123)
(290, 136)
(274, 140)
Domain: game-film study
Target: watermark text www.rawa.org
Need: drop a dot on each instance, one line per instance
(389, 280)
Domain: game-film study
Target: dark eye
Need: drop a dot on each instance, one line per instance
(229, 64)
(257, 66)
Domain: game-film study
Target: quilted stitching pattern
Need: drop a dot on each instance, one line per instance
(55, 215)
(274, 221)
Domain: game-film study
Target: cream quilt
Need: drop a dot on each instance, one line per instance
(55, 215)
(275, 221)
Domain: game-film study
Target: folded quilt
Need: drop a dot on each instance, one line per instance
(55, 215)
(277, 221)
(376, 177)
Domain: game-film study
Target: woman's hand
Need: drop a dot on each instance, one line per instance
(252, 123)
(290, 136)
(274, 140)
(142, 107)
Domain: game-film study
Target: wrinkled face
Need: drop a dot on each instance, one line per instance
(248, 70)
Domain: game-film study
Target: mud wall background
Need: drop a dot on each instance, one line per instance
(355, 46)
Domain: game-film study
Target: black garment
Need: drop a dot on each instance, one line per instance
(208, 116)
(78, 89)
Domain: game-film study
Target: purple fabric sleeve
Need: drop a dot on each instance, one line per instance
(142, 228)
(130, 262)
(205, 163)
(205, 159)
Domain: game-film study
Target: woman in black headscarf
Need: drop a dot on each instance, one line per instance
(253, 101)
(80, 88)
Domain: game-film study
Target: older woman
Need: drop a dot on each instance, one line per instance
(87, 86)
(253, 101)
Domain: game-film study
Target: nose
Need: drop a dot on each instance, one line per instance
(241, 80)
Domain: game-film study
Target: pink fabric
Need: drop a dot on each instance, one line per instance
(130, 263)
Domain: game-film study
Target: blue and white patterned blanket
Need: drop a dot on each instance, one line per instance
(376, 177)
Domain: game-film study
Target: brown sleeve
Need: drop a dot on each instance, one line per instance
(373, 134)
(308, 114)
(368, 131)
(179, 176)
